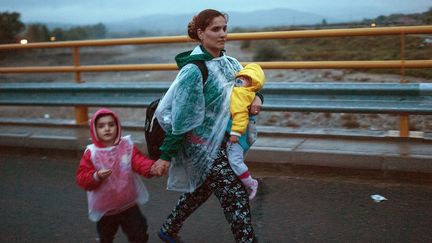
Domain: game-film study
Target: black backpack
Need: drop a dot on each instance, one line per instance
(154, 134)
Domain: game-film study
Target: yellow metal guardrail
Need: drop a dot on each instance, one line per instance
(81, 112)
(292, 34)
(265, 65)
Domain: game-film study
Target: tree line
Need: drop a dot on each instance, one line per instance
(424, 18)
(12, 30)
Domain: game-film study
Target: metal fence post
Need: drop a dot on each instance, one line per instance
(404, 123)
(81, 112)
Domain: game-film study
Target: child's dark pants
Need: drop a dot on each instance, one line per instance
(132, 222)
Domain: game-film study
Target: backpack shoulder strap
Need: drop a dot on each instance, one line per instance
(203, 68)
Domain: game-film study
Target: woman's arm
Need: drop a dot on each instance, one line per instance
(261, 96)
(169, 149)
(171, 145)
(187, 112)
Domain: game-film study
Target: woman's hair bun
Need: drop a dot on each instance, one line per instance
(201, 21)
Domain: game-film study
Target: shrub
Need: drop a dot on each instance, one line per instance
(268, 51)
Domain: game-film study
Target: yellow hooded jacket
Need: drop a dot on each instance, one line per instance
(242, 97)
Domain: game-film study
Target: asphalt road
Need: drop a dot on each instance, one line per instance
(40, 202)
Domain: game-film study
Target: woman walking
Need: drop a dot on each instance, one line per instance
(194, 114)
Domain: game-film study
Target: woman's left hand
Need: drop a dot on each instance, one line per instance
(160, 168)
(255, 107)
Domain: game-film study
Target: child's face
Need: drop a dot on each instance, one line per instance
(106, 129)
(243, 81)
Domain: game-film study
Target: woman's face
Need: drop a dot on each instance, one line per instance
(214, 36)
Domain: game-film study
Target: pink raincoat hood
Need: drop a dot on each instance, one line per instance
(98, 113)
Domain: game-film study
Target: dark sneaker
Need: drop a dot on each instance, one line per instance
(168, 238)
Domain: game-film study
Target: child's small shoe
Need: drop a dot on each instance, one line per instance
(168, 238)
(253, 188)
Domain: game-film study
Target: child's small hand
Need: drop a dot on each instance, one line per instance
(233, 139)
(103, 173)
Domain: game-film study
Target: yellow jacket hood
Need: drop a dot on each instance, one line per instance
(255, 72)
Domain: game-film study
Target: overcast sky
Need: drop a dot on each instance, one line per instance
(105, 11)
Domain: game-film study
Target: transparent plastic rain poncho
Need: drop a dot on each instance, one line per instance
(202, 113)
(123, 188)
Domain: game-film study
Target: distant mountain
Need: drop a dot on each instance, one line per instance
(275, 17)
(176, 24)
(162, 23)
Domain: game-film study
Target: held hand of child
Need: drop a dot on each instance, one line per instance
(233, 139)
(103, 173)
(160, 168)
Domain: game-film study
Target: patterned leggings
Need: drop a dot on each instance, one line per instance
(232, 196)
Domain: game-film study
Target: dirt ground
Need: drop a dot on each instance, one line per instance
(165, 54)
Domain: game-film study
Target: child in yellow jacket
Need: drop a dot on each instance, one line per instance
(243, 133)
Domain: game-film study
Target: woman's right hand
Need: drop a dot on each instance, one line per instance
(160, 168)
(255, 107)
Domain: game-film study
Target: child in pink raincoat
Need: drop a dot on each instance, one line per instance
(109, 171)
